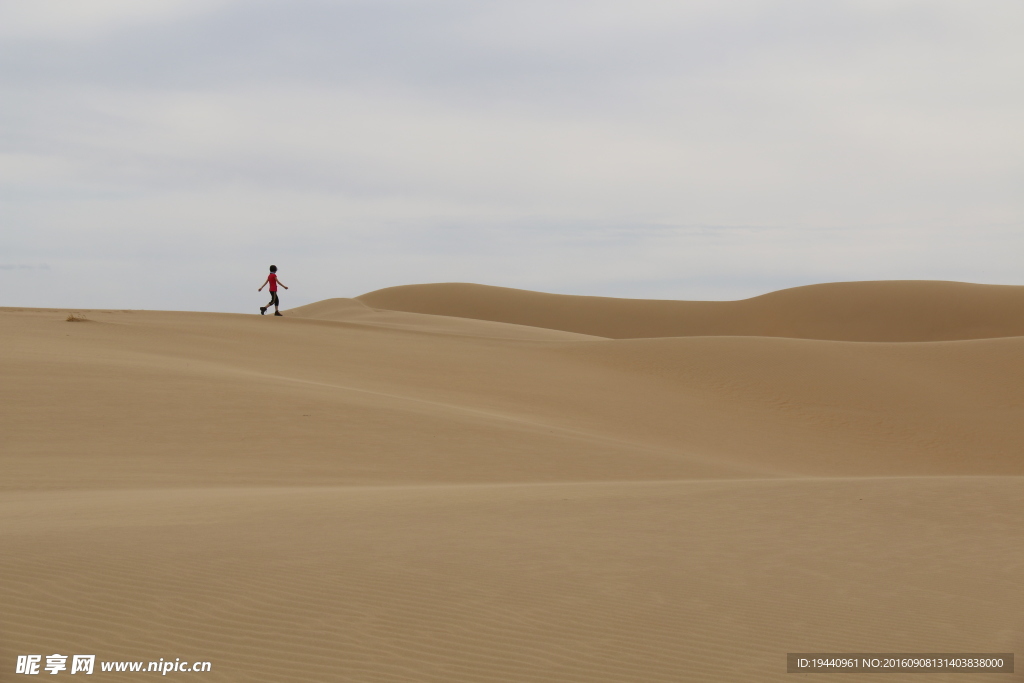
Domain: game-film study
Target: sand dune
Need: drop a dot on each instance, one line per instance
(527, 493)
(897, 311)
(355, 311)
(663, 581)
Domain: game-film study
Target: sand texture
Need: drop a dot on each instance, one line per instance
(455, 482)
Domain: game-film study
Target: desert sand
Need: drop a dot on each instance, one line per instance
(455, 482)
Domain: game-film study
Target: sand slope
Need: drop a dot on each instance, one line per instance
(902, 311)
(709, 581)
(357, 494)
(355, 311)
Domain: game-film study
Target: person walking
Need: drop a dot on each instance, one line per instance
(273, 282)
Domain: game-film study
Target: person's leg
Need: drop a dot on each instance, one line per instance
(277, 303)
(273, 302)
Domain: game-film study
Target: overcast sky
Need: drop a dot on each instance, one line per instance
(161, 154)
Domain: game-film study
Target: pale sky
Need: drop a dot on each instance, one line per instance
(161, 154)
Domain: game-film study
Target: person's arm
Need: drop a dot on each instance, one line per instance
(282, 284)
(265, 284)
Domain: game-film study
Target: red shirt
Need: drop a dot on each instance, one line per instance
(273, 281)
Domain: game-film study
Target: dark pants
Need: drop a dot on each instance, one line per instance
(274, 301)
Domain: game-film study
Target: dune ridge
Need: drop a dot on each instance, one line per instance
(884, 311)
